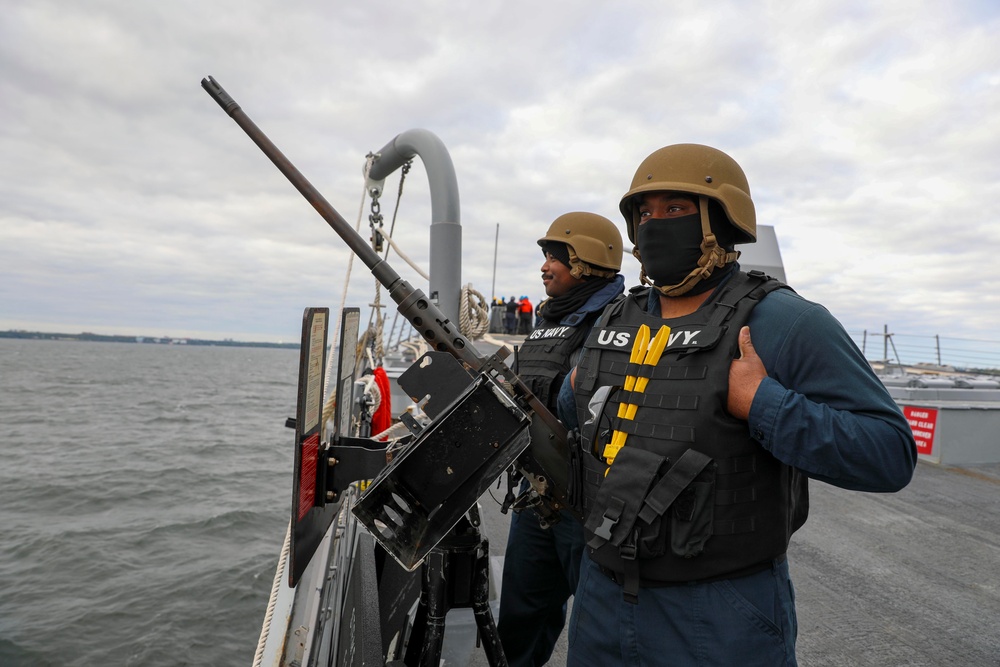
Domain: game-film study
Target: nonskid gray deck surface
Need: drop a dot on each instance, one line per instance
(911, 578)
(884, 580)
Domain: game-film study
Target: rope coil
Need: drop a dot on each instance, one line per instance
(473, 313)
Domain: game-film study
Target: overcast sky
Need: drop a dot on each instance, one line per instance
(131, 203)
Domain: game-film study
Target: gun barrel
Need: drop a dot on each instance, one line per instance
(412, 304)
(301, 183)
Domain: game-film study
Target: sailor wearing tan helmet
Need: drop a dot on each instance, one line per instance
(751, 390)
(580, 271)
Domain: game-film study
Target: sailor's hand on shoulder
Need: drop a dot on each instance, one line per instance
(745, 374)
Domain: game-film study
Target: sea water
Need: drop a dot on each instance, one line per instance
(144, 497)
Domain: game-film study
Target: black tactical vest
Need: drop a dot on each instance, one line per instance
(690, 496)
(546, 356)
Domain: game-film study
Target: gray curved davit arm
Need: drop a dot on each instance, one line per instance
(445, 271)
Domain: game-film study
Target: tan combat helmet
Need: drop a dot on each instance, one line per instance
(593, 241)
(707, 173)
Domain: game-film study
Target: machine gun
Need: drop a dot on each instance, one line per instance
(483, 419)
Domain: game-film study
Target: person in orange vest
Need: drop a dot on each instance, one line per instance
(524, 316)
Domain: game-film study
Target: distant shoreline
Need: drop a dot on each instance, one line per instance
(143, 340)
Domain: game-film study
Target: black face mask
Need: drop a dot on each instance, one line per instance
(670, 247)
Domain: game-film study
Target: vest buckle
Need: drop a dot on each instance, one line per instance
(611, 516)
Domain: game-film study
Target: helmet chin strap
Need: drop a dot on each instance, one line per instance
(712, 255)
(579, 268)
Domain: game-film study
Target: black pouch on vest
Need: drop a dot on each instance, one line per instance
(686, 491)
(621, 495)
(691, 515)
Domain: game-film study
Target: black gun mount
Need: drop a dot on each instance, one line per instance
(484, 425)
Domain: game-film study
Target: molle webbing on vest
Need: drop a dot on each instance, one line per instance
(660, 372)
(671, 402)
(658, 431)
(545, 357)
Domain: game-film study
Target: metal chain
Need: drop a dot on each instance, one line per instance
(375, 221)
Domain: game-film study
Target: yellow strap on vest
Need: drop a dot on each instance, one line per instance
(645, 353)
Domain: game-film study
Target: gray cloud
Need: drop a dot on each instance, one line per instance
(129, 201)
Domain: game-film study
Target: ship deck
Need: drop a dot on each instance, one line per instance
(910, 578)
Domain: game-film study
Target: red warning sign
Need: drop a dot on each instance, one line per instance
(922, 422)
(307, 474)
